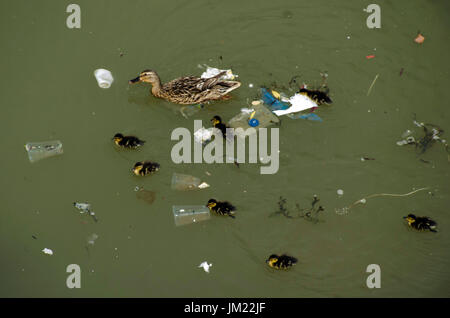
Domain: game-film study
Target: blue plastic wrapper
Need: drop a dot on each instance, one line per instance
(274, 103)
(310, 116)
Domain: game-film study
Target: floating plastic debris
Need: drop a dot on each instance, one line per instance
(203, 185)
(85, 208)
(256, 102)
(260, 112)
(212, 71)
(419, 39)
(187, 214)
(185, 182)
(146, 195)
(205, 266)
(299, 103)
(47, 251)
(203, 135)
(41, 150)
(340, 192)
(270, 100)
(310, 116)
(92, 238)
(104, 78)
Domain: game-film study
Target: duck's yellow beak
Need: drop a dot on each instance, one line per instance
(135, 80)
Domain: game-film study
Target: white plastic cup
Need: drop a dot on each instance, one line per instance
(104, 78)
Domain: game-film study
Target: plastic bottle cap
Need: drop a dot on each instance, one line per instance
(253, 122)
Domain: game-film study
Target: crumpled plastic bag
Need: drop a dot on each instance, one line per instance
(212, 71)
(299, 102)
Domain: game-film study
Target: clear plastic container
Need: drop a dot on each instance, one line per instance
(104, 78)
(187, 214)
(260, 112)
(41, 150)
(185, 182)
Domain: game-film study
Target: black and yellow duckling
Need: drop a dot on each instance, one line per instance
(217, 123)
(221, 207)
(281, 262)
(421, 223)
(130, 142)
(189, 89)
(316, 95)
(145, 167)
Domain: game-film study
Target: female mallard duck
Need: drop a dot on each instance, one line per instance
(127, 141)
(281, 262)
(421, 223)
(144, 168)
(190, 89)
(217, 123)
(221, 208)
(316, 95)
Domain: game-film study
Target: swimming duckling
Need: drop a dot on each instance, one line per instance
(281, 262)
(144, 168)
(421, 223)
(316, 95)
(127, 141)
(221, 208)
(217, 123)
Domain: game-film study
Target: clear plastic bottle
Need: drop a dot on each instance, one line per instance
(41, 150)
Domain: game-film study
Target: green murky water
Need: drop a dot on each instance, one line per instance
(49, 92)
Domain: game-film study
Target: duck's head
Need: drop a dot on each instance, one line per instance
(138, 167)
(410, 218)
(216, 120)
(272, 259)
(118, 137)
(147, 76)
(211, 203)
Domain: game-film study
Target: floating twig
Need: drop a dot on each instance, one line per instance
(345, 210)
(370, 88)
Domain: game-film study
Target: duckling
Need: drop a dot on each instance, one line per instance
(190, 89)
(131, 142)
(421, 223)
(217, 123)
(281, 262)
(221, 207)
(144, 168)
(316, 95)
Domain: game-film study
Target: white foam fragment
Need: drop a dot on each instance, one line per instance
(212, 71)
(203, 185)
(299, 102)
(47, 251)
(205, 266)
(202, 135)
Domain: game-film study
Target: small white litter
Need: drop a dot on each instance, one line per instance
(47, 251)
(299, 102)
(340, 192)
(83, 207)
(212, 71)
(203, 135)
(203, 185)
(247, 110)
(205, 266)
(104, 78)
